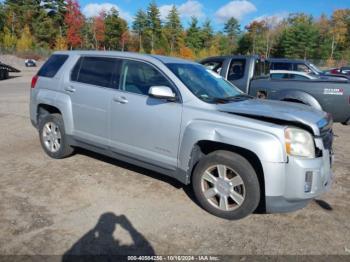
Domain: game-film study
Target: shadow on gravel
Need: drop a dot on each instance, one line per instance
(99, 242)
(323, 204)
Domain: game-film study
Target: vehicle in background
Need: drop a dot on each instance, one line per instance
(305, 66)
(296, 75)
(175, 117)
(30, 63)
(294, 65)
(345, 70)
(252, 75)
(5, 71)
(291, 75)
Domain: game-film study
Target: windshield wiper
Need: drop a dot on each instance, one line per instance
(239, 97)
(222, 100)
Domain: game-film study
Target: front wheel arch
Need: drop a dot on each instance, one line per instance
(205, 147)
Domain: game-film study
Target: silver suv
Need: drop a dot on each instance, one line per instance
(179, 119)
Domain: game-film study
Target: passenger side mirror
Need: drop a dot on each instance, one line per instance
(162, 92)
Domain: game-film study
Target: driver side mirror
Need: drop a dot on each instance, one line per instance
(162, 92)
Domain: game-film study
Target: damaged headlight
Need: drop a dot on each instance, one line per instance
(299, 142)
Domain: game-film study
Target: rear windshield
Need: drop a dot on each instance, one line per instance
(51, 66)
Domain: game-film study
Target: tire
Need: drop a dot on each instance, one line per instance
(240, 187)
(58, 148)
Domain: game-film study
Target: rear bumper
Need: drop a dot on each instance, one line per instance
(295, 192)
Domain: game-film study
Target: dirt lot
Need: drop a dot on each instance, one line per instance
(58, 206)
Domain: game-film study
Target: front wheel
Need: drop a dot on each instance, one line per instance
(53, 138)
(226, 185)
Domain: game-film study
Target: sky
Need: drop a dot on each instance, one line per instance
(219, 11)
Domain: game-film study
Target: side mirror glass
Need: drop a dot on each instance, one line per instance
(162, 92)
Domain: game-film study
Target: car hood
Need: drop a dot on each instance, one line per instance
(286, 112)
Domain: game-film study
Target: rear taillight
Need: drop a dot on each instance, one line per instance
(34, 80)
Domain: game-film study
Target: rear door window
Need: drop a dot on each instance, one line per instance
(52, 65)
(236, 70)
(98, 71)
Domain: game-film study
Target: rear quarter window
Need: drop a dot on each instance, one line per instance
(52, 65)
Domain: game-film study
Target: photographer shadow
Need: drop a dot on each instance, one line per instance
(99, 241)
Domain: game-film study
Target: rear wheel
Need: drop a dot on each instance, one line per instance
(53, 138)
(226, 185)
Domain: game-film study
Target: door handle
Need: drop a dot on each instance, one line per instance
(69, 89)
(120, 99)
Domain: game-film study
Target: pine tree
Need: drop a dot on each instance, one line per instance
(206, 34)
(193, 36)
(139, 26)
(115, 26)
(174, 29)
(154, 25)
(232, 29)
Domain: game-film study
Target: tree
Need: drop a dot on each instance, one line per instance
(139, 26)
(154, 25)
(186, 53)
(232, 29)
(193, 36)
(115, 27)
(254, 41)
(45, 30)
(74, 21)
(99, 29)
(299, 38)
(60, 43)
(25, 43)
(174, 30)
(340, 29)
(206, 34)
(9, 39)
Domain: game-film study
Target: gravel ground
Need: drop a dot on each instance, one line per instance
(90, 203)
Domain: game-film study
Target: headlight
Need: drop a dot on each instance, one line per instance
(299, 143)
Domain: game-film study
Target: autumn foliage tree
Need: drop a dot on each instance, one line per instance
(99, 29)
(25, 43)
(74, 21)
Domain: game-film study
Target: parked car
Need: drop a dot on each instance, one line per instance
(175, 117)
(252, 75)
(345, 70)
(30, 63)
(296, 75)
(291, 75)
(294, 65)
(304, 66)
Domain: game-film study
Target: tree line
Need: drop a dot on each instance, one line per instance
(26, 25)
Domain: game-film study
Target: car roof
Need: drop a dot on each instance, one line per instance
(286, 60)
(146, 57)
(224, 57)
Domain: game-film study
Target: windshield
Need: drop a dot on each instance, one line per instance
(205, 84)
(316, 69)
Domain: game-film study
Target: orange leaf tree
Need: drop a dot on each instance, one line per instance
(74, 21)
